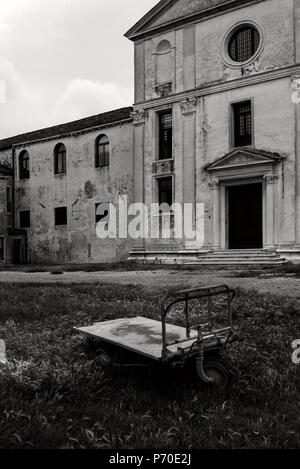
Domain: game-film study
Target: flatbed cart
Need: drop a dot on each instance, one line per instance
(173, 345)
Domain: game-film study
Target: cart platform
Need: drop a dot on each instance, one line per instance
(142, 336)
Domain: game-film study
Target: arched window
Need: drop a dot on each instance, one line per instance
(243, 44)
(60, 159)
(102, 151)
(24, 165)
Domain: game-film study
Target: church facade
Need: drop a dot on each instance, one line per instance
(215, 122)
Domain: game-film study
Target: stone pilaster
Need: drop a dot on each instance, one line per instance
(215, 188)
(270, 179)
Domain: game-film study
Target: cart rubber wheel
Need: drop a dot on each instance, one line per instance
(104, 357)
(217, 370)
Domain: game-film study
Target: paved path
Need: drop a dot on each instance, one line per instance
(285, 285)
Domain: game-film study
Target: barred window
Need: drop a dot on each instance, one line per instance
(102, 157)
(242, 116)
(243, 44)
(24, 165)
(60, 159)
(165, 135)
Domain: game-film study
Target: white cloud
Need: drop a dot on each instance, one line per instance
(45, 45)
(17, 111)
(82, 98)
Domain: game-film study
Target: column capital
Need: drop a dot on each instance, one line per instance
(214, 184)
(270, 178)
(188, 105)
(138, 116)
(296, 89)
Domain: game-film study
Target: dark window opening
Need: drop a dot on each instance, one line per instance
(165, 136)
(165, 191)
(24, 219)
(60, 159)
(8, 200)
(102, 152)
(24, 165)
(243, 44)
(1, 248)
(101, 212)
(61, 216)
(242, 117)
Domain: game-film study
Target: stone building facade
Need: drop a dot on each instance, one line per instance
(225, 74)
(215, 121)
(61, 174)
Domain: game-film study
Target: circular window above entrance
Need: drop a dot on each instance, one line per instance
(242, 44)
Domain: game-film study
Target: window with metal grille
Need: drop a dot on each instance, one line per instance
(1, 248)
(165, 136)
(242, 122)
(165, 191)
(243, 44)
(61, 217)
(24, 219)
(60, 159)
(24, 165)
(102, 152)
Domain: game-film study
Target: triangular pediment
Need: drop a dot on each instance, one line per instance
(244, 157)
(172, 12)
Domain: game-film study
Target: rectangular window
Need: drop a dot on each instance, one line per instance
(242, 124)
(61, 217)
(165, 191)
(1, 248)
(165, 136)
(8, 200)
(101, 212)
(24, 219)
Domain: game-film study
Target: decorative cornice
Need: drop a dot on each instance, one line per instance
(163, 167)
(270, 178)
(214, 184)
(138, 116)
(164, 90)
(261, 77)
(296, 89)
(140, 30)
(188, 105)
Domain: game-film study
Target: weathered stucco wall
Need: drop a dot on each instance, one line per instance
(198, 52)
(5, 181)
(204, 136)
(80, 189)
(6, 158)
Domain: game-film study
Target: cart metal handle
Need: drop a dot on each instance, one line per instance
(185, 296)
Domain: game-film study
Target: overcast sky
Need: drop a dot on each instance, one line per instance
(64, 59)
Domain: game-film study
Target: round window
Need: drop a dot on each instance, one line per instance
(243, 43)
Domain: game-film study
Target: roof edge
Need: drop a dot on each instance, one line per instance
(76, 126)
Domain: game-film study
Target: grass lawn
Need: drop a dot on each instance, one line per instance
(55, 391)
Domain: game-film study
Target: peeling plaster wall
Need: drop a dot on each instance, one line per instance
(198, 52)
(6, 158)
(79, 190)
(5, 181)
(274, 131)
